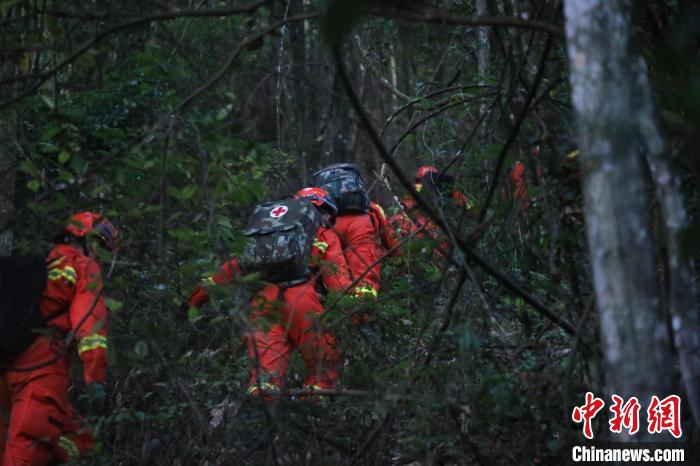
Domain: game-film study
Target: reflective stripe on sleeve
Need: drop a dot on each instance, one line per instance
(68, 445)
(55, 262)
(92, 342)
(67, 272)
(321, 245)
(379, 209)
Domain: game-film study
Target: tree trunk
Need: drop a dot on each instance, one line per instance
(301, 91)
(606, 80)
(8, 173)
(483, 56)
(681, 286)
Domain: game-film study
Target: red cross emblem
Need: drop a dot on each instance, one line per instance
(278, 211)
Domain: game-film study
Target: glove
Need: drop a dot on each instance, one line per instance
(96, 396)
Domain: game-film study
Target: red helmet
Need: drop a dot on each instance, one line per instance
(424, 171)
(319, 197)
(84, 224)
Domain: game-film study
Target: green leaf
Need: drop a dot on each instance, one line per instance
(49, 103)
(188, 191)
(38, 207)
(27, 167)
(51, 132)
(63, 157)
(183, 194)
(193, 314)
(34, 185)
(113, 305)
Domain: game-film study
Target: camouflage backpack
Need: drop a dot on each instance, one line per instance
(282, 234)
(344, 183)
(22, 280)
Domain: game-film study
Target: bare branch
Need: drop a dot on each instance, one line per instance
(424, 98)
(434, 114)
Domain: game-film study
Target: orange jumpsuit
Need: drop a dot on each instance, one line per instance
(405, 225)
(365, 237)
(517, 179)
(43, 426)
(295, 325)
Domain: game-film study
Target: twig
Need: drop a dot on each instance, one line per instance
(423, 99)
(440, 110)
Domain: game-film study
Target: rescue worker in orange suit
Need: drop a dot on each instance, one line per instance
(297, 328)
(519, 186)
(365, 239)
(564, 167)
(43, 426)
(519, 174)
(411, 220)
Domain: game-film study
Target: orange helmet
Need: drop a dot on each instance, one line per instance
(319, 197)
(84, 224)
(424, 171)
(427, 175)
